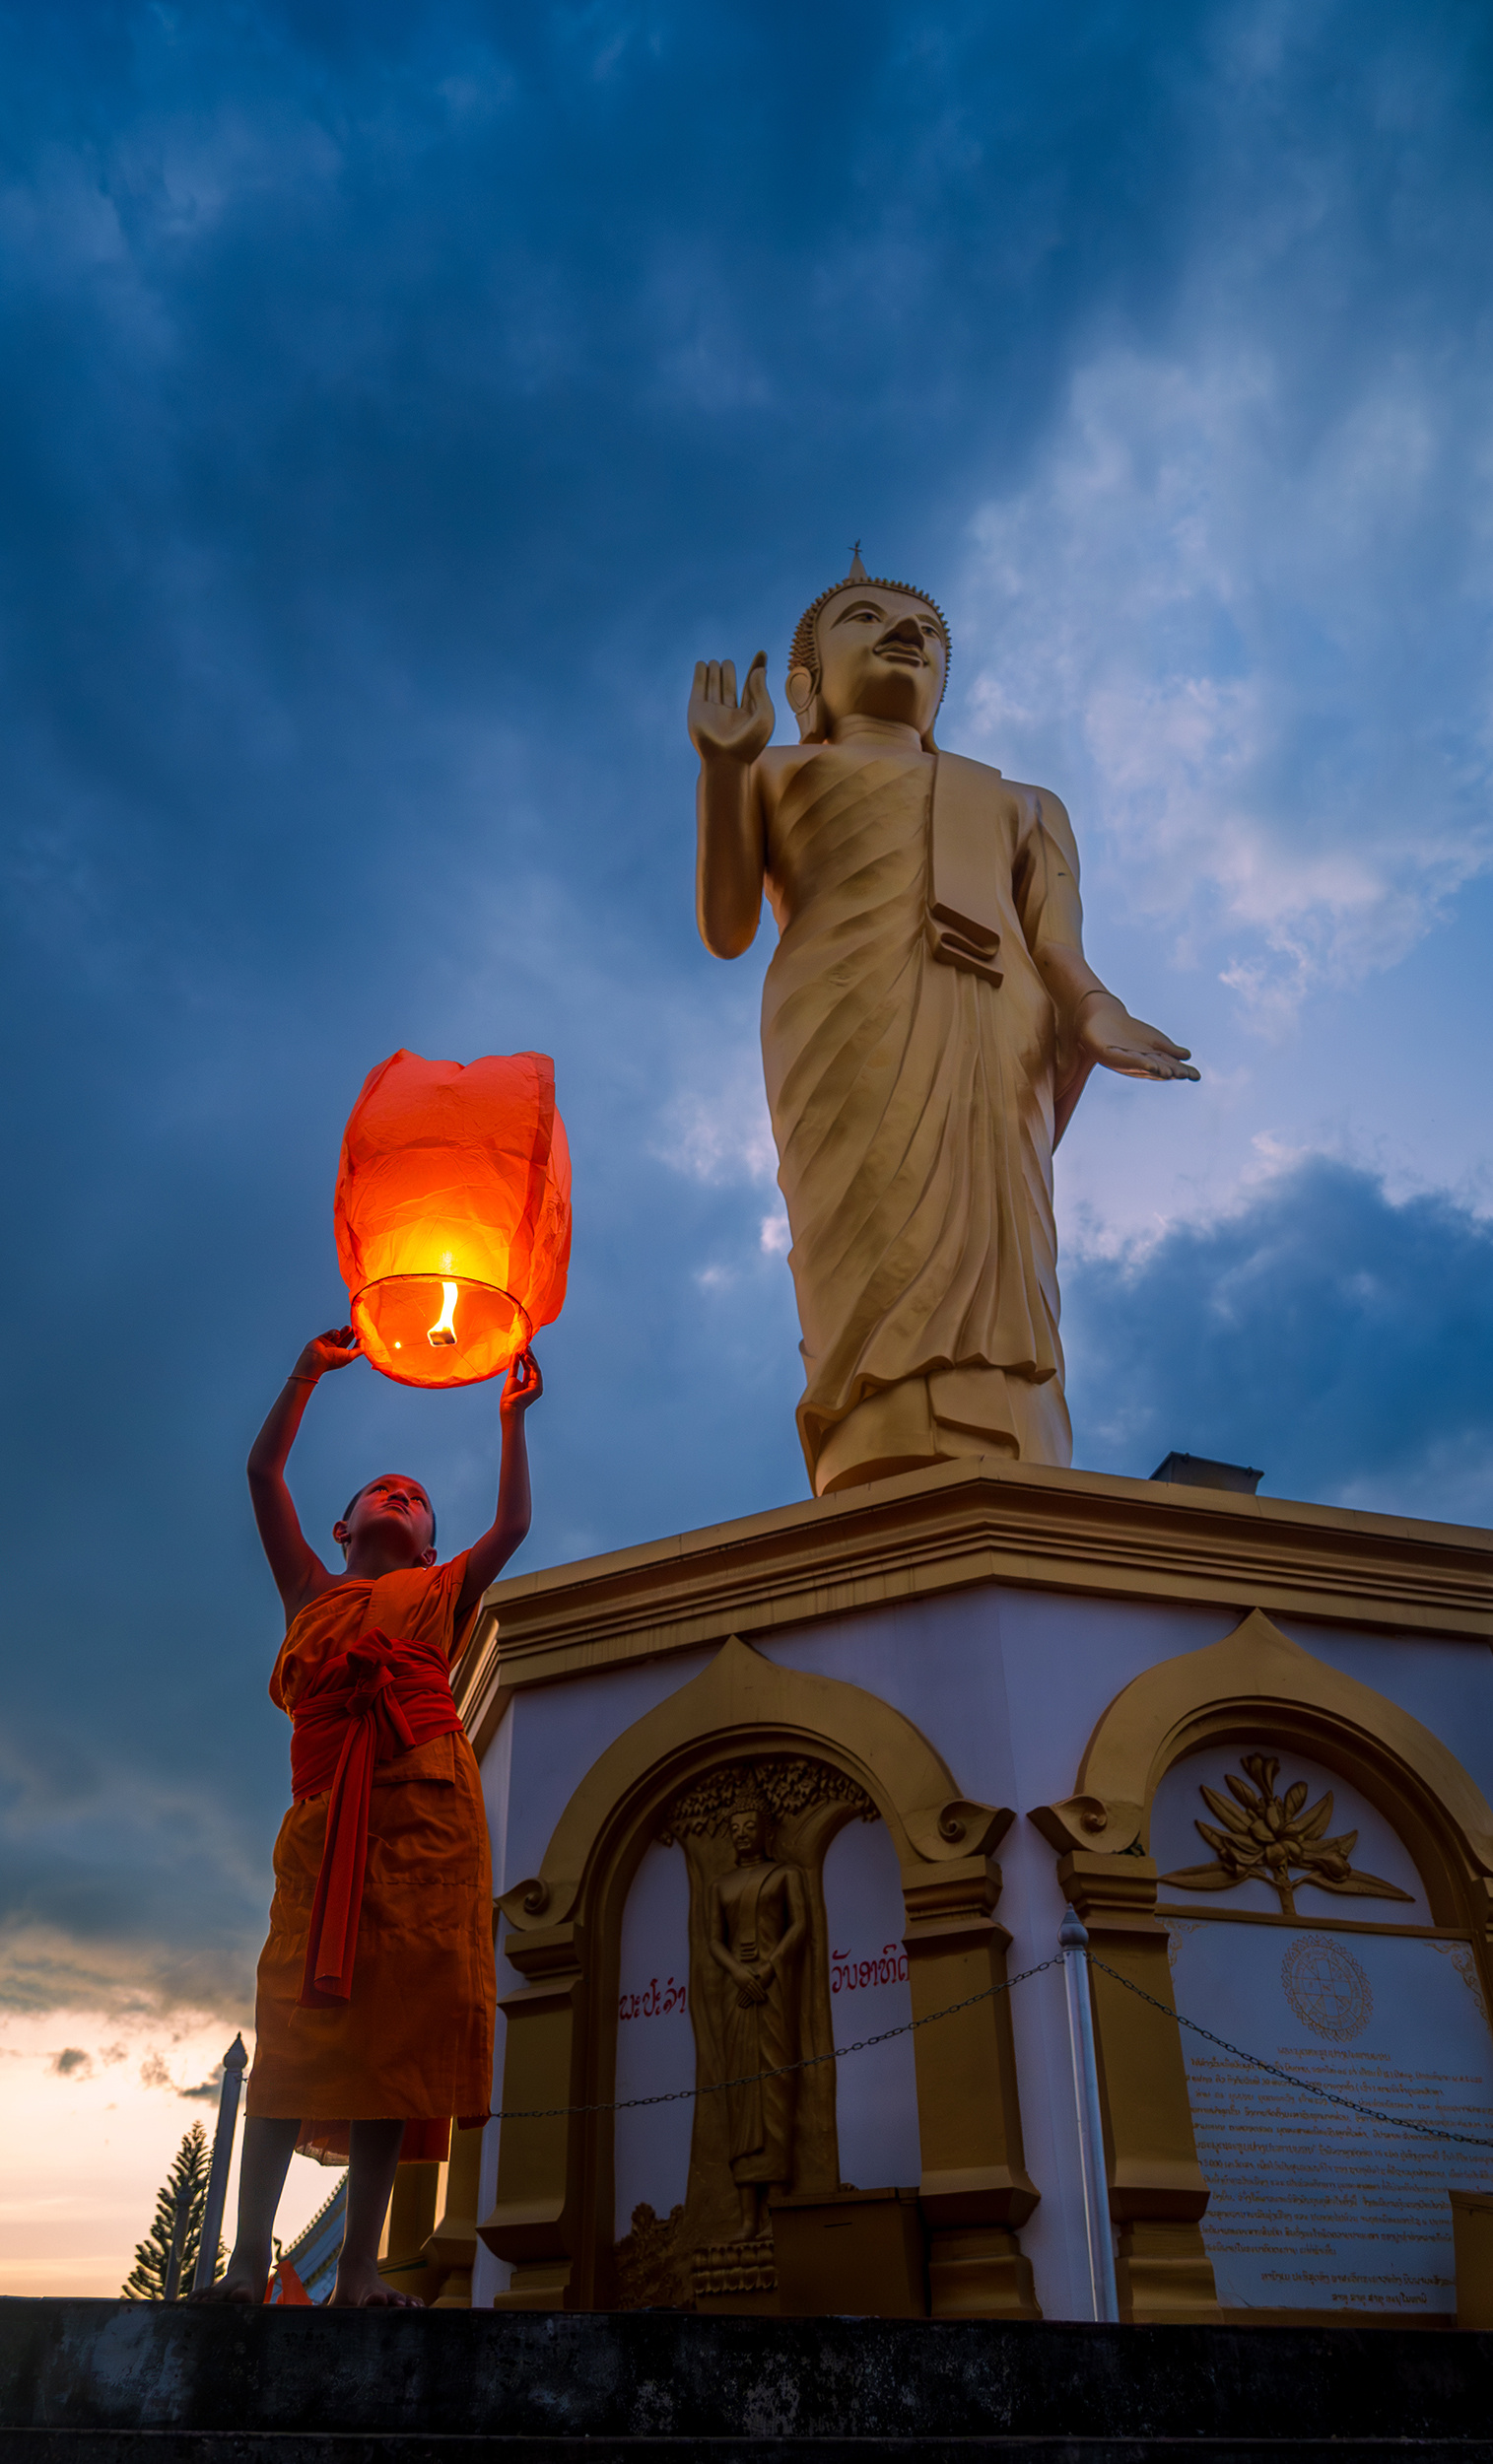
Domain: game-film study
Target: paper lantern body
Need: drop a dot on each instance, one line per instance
(453, 1215)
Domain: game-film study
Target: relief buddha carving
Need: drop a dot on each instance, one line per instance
(725, 1769)
(759, 1923)
(755, 1834)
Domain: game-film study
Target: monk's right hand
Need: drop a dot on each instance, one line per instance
(333, 1351)
(720, 728)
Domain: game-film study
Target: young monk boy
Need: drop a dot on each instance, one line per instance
(376, 1998)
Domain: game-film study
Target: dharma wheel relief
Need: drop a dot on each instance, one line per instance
(1297, 1865)
(791, 1864)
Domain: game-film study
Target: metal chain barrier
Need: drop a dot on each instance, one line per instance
(1396, 2121)
(863, 2045)
(810, 2060)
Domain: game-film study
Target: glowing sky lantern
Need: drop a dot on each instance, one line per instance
(453, 1215)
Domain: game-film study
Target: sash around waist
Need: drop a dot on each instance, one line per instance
(405, 1688)
(366, 1705)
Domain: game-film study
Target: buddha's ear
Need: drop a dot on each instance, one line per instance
(929, 745)
(803, 695)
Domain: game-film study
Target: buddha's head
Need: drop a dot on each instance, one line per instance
(868, 650)
(749, 1826)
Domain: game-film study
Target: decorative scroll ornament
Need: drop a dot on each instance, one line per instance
(1269, 1838)
(782, 1784)
(647, 2260)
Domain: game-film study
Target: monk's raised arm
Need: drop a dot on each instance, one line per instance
(488, 1557)
(294, 1563)
(732, 842)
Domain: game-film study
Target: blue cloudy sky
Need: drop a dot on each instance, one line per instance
(397, 401)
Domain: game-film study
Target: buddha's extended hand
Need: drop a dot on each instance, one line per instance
(720, 728)
(1108, 1034)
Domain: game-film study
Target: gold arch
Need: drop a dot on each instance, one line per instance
(1259, 1675)
(1257, 1683)
(553, 2213)
(754, 1704)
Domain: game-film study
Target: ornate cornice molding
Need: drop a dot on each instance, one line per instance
(963, 1523)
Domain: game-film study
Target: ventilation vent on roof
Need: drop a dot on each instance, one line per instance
(1200, 1471)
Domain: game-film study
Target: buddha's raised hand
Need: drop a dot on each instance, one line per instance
(720, 727)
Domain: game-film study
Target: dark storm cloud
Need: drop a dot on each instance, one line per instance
(1335, 1336)
(398, 401)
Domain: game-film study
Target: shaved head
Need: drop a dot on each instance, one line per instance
(405, 1480)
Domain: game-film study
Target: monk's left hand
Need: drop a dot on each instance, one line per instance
(333, 1351)
(522, 1385)
(1108, 1034)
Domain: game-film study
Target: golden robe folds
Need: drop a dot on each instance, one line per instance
(924, 1248)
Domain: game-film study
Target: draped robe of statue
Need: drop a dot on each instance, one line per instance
(415, 2040)
(761, 2036)
(917, 1076)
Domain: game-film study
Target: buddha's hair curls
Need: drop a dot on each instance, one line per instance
(750, 1800)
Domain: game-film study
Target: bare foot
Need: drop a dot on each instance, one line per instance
(237, 2286)
(361, 2288)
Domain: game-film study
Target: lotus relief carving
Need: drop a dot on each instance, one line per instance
(1278, 1840)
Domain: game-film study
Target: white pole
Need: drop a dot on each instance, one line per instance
(235, 2063)
(1073, 1940)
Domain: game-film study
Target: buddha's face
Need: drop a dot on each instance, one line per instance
(748, 1827)
(882, 654)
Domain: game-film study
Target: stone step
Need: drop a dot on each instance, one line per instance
(97, 2381)
(401, 2446)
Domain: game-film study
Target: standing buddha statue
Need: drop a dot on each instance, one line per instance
(929, 1023)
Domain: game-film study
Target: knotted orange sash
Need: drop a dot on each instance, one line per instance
(377, 1699)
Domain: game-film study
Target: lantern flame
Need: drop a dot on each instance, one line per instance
(445, 1329)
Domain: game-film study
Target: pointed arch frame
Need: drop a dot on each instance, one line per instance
(552, 2215)
(1257, 1680)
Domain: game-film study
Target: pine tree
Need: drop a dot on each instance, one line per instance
(146, 2281)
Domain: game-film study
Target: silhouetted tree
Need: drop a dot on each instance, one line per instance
(187, 2179)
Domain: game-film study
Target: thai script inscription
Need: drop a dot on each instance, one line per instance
(1314, 2204)
(656, 2000)
(1294, 2181)
(887, 1967)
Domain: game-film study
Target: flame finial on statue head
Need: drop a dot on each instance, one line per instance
(803, 657)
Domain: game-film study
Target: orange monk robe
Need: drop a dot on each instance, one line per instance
(416, 2038)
